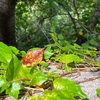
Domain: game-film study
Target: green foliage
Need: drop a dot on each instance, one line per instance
(13, 90)
(69, 58)
(28, 27)
(57, 23)
(65, 52)
(12, 72)
(48, 53)
(3, 84)
(39, 78)
(5, 52)
(36, 20)
(10, 67)
(13, 69)
(98, 92)
(25, 72)
(67, 86)
(92, 39)
(63, 89)
(14, 50)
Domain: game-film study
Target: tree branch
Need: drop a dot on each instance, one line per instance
(72, 19)
(74, 4)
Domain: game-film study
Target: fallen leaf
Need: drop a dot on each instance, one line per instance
(32, 57)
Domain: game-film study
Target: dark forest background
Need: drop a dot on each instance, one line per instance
(73, 20)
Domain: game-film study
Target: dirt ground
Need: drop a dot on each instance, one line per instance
(87, 78)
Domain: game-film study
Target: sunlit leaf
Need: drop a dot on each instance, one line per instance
(67, 58)
(3, 84)
(69, 86)
(54, 37)
(13, 68)
(38, 78)
(25, 74)
(98, 92)
(13, 90)
(48, 53)
(14, 50)
(23, 53)
(51, 95)
(91, 53)
(67, 68)
(4, 47)
(32, 57)
(36, 97)
(34, 68)
(3, 60)
(43, 63)
(5, 52)
(64, 89)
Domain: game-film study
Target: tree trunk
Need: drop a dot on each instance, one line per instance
(7, 22)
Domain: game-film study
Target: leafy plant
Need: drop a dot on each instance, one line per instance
(67, 18)
(12, 72)
(58, 23)
(9, 70)
(35, 72)
(63, 51)
(13, 90)
(98, 92)
(63, 89)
